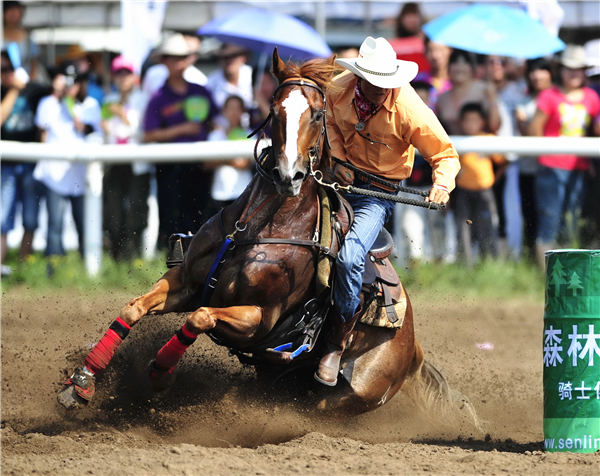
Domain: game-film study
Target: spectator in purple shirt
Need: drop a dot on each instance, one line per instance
(180, 112)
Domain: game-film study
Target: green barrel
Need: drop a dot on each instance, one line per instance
(571, 347)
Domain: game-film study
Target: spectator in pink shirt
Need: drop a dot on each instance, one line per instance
(564, 110)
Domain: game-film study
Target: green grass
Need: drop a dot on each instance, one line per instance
(69, 273)
(486, 279)
(492, 278)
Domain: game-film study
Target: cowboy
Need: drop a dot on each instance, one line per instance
(375, 121)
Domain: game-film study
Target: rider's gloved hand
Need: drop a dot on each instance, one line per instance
(343, 175)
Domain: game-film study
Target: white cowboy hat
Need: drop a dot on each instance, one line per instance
(175, 45)
(377, 64)
(574, 57)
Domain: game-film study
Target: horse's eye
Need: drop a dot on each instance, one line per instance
(319, 116)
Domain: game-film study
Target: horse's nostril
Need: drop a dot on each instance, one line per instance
(298, 176)
(276, 175)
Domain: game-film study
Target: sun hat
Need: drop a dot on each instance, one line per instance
(120, 63)
(574, 57)
(377, 64)
(175, 45)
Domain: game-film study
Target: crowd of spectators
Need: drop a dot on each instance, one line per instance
(503, 206)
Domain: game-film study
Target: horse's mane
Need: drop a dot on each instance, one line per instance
(318, 70)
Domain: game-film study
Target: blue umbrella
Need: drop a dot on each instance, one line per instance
(261, 30)
(494, 30)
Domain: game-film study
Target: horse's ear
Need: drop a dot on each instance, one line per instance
(278, 64)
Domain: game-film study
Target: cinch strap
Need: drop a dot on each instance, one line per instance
(209, 285)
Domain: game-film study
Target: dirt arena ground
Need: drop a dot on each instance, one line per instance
(217, 420)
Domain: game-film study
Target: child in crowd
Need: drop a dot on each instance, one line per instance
(473, 200)
(230, 178)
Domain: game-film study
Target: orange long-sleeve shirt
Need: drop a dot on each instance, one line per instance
(404, 123)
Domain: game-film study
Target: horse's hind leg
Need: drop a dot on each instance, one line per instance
(236, 323)
(165, 296)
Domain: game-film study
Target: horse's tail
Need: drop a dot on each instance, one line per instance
(430, 392)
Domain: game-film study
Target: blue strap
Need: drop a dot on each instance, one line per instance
(296, 353)
(282, 347)
(208, 286)
(299, 350)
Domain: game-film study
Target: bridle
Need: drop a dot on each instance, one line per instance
(313, 152)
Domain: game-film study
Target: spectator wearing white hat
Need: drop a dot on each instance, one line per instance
(564, 110)
(180, 111)
(156, 75)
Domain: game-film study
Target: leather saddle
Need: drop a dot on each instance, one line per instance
(380, 280)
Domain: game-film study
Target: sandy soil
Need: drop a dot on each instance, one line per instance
(217, 419)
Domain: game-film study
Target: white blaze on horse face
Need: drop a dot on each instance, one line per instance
(294, 105)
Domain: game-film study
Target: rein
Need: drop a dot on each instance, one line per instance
(386, 196)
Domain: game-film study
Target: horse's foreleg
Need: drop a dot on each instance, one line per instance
(236, 323)
(163, 297)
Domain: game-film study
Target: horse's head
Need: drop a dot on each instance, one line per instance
(298, 129)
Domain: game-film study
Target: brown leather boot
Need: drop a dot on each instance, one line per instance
(329, 366)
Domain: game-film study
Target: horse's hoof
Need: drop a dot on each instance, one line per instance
(160, 379)
(78, 390)
(69, 399)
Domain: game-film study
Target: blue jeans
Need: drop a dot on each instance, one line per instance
(558, 192)
(57, 205)
(18, 185)
(370, 214)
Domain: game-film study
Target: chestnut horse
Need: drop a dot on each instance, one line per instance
(270, 271)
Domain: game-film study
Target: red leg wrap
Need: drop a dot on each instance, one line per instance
(168, 356)
(102, 353)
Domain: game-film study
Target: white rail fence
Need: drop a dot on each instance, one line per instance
(95, 155)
